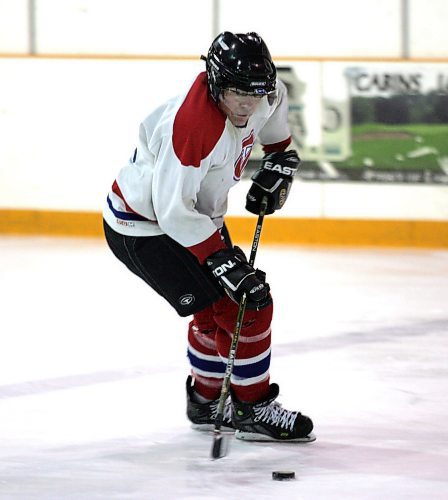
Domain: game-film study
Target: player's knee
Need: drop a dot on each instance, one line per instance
(203, 321)
(254, 322)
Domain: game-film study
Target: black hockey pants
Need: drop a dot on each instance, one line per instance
(169, 268)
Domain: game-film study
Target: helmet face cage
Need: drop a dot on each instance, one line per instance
(240, 61)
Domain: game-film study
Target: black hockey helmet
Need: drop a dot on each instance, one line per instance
(242, 61)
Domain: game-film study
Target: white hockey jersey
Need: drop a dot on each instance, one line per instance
(187, 158)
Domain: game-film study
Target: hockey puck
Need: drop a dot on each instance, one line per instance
(283, 475)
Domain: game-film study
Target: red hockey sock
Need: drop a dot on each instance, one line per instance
(207, 367)
(250, 375)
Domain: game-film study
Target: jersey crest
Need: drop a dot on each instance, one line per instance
(243, 158)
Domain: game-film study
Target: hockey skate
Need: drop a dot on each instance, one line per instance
(202, 415)
(267, 421)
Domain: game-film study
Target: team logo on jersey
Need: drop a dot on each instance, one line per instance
(243, 158)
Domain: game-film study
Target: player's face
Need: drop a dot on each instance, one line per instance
(238, 106)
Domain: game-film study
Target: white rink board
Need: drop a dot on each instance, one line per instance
(68, 125)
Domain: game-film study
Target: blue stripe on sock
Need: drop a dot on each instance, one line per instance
(252, 369)
(206, 365)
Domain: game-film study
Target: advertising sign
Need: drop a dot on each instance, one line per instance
(372, 122)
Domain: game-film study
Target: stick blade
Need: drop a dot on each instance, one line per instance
(219, 446)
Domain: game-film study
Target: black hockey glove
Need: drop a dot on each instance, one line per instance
(231, 269)
(273, 179)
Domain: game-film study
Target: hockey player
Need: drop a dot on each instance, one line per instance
(164, 219)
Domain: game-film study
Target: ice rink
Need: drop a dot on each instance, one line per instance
(93, 367)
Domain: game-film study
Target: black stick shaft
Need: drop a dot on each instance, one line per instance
(217, 448)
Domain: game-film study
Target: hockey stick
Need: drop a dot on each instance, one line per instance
(219, 447)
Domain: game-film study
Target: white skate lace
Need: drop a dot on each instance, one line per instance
(227, 410)
(276, 415)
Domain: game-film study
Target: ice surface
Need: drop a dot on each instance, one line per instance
(93, 366)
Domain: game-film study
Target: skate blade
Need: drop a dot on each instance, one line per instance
(255, 437)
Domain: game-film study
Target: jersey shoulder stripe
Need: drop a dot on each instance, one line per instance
(198, 125)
